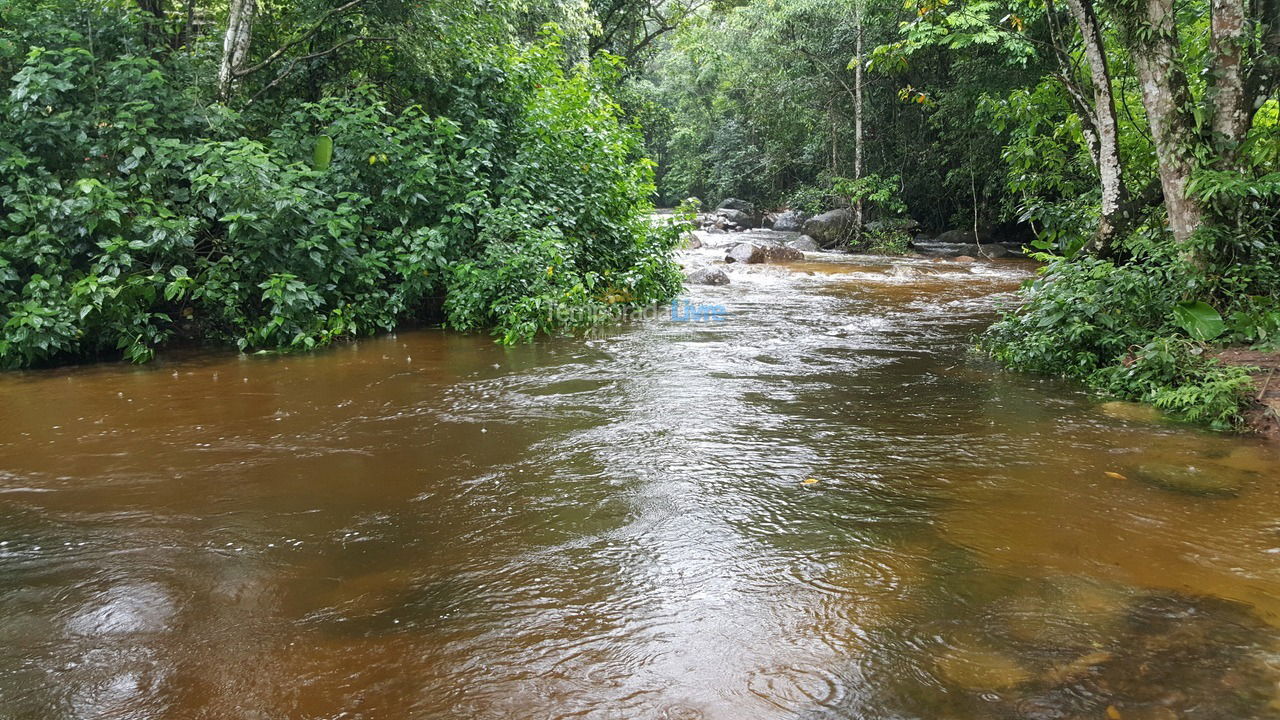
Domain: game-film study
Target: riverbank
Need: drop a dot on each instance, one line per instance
(1263, 415)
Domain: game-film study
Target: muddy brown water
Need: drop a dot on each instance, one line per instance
(429, 525)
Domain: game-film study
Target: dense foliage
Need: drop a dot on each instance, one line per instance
(1135, 143)
(281, 175)
(467, 173)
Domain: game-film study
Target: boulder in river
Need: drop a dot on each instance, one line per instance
(830, 228)
(962, 237)
(736, 219)
(805, 243)
(904, 272)
(691, 241)
(965, 259)
(745, 253)
(708, 276)
(781, 253)
(1215, 482)
(889, 225)
(790, 221)
(736, 204)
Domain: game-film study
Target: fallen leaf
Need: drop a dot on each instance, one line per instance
(810, 481)
(1113, 713)
(1115, 475)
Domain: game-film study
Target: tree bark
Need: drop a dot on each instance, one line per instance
(1153, 39)
(1231, 116)
(188, 32)
(1106, 135)
(1264, 71)
(235, 44)
(155, 31)
(857, 113)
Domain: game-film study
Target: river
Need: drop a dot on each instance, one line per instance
(817, 503)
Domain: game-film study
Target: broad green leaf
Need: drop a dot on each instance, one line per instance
(1201, 321)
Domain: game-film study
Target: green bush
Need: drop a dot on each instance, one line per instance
(1115, 328)
(133, 212)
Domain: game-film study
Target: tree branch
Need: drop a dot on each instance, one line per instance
(241, 72)
(294, 62)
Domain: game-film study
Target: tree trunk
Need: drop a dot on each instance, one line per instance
(857, 114)
(1231, 117)
(1264, 71)
(188, 32)
(235, 45)
(1154, 42)
(155, 22)
(1106, 136)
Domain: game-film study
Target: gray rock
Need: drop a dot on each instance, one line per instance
(781, 253)
(790, 221)
(708, 276)
(736, 204)
(745, 253)
(957, 237)
(736, 218)
(938, 249)
(886, 225)
(691, 242)
(830, 228)
(805, 243)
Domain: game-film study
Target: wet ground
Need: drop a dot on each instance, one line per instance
(821, 506)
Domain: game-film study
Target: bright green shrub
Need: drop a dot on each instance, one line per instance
(1114, 327)
(131, 211)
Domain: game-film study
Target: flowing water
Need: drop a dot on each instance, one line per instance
(819, 506)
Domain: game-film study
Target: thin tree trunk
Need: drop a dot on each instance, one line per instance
(831, 121)
(155, 23)
(235, 44)
(1231, 118)
(1264, 70)
(188, 33)
(1167, 99)
(857, 114)
(1106, 136)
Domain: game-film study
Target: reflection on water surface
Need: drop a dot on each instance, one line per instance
(431, 525)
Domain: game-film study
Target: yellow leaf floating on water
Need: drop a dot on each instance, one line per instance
(1115, 475)
(1113, 713)
(810, 481)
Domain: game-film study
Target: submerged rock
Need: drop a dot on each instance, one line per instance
(971, 666)
(1135, 412)
(708, 276)
(805, 243)
(965, 259)
(904, 272)
(745, 253)
(1191, 480)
